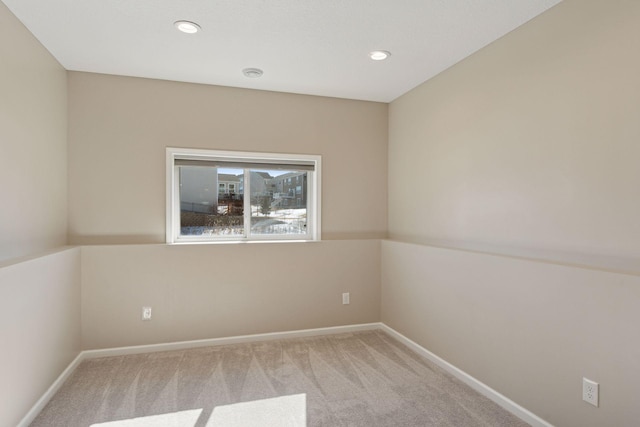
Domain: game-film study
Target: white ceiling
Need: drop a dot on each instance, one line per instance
(316, 47)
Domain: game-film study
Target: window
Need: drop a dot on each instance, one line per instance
(260, 196)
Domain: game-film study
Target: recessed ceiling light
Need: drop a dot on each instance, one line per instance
(379, 55)
(187, 26)
(252, 73)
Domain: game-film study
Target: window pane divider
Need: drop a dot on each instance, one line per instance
(247, 203)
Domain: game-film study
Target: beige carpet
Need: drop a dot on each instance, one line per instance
(360, 379)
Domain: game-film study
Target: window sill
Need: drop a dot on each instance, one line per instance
(241, 242)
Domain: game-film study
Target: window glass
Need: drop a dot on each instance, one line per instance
(275, 208)
(203, 212)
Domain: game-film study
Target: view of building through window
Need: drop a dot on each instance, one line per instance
(277, 201)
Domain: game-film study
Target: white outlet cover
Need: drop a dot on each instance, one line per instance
(146, 313)
(590, 391)
(345, 298)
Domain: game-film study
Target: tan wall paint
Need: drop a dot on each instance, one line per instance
(527, 148)
(39, 290)
(33, 143)
(39, 326)
(211, 291)
(530, 330)
(120, 126)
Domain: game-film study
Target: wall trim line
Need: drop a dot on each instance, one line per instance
(498, 398)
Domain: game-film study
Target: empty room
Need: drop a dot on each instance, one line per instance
(305, 213)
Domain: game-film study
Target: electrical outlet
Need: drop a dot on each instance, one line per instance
(345, 298)
(590, 391)
(146, 313)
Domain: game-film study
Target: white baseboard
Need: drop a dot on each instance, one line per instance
(46, 397)
(506, 403)
(181, 345)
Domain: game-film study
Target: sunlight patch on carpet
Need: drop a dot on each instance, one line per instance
(173, 419)
(283, 411)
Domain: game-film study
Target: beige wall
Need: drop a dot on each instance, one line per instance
(211, 291)
(530, 144)
(33, 143)
(120, 126)
(529, 148)
(39, 326)
(530, 330)
(39, 289)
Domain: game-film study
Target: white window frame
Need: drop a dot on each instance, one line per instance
(173, 193)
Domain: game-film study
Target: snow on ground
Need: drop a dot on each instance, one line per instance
(279, 221)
